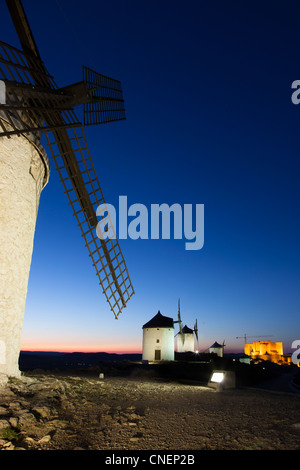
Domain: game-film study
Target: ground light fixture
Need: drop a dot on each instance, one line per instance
(217, 377)
(222, 379)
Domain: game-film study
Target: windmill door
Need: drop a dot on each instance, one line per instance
(157, 355)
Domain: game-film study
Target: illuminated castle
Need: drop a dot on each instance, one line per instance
(267, 351)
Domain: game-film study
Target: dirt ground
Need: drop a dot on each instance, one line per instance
(47, 412)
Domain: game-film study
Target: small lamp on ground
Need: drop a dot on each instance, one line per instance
(222, 379)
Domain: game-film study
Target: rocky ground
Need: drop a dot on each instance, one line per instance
(50, 412)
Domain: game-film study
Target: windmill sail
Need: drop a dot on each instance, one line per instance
(196, 330)
(33, 104)
(107, 102)
(106, 254)
(180, 323)
(33, 101)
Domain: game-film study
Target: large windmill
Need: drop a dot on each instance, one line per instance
(31, 104)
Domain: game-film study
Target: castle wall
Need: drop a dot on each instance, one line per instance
(266, 350)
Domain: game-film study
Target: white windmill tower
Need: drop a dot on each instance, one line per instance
(158, 339)
(187, 339)
(217, 348)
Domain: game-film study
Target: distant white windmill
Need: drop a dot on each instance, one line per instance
(217, 348)
(185, 336)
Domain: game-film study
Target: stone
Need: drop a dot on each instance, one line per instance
(26, 419)
(3, 424)
(8, 446)
(29, 442)
(134, 416)
(3, 411)
(45, 439)
(13, 422)
(27, 380)
(3, 379)
(14, 406)
(41, 412)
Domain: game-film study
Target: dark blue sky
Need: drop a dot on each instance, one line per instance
(207, 88)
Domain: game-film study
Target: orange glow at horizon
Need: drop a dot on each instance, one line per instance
(79, 347)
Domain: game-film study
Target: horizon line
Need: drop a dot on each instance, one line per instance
(80, 351)
(106, 352)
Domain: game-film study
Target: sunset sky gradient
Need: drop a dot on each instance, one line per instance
(207, 89)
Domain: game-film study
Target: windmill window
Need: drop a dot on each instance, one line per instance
(157, 340)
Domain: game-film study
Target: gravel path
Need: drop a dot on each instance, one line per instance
(67, 413)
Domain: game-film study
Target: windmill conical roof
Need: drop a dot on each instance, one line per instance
(216, 345)
(186, 329)
(159, 321)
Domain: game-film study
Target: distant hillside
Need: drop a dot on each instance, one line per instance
(30, 360)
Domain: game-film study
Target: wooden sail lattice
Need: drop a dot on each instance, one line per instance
(29, 107)
(108, 103)
(112, 271)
